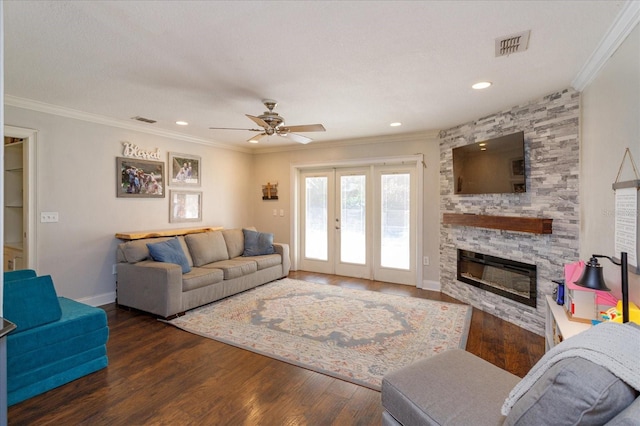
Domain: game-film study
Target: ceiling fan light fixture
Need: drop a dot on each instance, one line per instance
(273, 124)
(481, 85)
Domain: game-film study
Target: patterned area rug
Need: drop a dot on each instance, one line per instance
(353, 335)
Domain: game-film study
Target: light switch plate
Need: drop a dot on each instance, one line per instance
(48, 217)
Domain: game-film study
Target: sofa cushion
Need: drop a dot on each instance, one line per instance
(257, 243)
(201, 277)
(267, 261)
(234, 238)
(31, 302)
(629, 416)
(450, 388)
(234, 268)
(169, 251)
(137, 250)
(572, 391)
(19, 274)
(185, 249)
(77, 319)
(206, 247)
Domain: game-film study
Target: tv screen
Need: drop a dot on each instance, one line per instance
(494, 166)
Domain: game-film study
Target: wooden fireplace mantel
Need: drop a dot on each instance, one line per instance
(534, 225)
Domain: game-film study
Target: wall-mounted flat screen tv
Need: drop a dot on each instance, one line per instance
(494, 166)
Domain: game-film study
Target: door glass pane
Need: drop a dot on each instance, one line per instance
(395, 215)
(315, 236)
(352, 219)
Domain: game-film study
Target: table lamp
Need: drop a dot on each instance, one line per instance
(593, 278)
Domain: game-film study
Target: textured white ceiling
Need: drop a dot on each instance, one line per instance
(354, 66)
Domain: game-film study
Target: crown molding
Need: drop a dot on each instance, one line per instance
(46, 108)
(625, 22)
(381, 139)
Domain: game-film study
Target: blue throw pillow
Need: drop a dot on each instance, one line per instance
(169, 251)
(257, 243)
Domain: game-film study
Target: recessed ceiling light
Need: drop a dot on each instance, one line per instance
(482, 144)
(182, 123)
(253, 141)
(395, 124)
(481, 85)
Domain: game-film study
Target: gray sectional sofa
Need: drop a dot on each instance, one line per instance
(215, 268)
(578, 382)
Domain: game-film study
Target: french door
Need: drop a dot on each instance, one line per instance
(359, 222)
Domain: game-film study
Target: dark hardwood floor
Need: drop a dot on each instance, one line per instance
(160, 375)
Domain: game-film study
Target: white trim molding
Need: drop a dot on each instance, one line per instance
(99, 300)
(46, 108)
(431, 285)
(624, 23)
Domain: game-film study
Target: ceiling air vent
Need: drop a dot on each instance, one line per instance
(515, 43)
(144, 120)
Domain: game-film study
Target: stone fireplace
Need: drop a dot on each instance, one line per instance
(551, 128)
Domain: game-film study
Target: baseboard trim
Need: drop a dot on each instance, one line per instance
(99, 300)
(431, 285)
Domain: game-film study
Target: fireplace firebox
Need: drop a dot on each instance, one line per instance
(504, 277)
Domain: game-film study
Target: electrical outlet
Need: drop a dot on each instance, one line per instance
(48, 217)
(425, 261)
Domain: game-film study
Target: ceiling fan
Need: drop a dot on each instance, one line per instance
(273, 124)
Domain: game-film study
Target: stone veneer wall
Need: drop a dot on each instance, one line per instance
(551, 133)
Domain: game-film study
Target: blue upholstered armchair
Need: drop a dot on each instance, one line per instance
(57, 340)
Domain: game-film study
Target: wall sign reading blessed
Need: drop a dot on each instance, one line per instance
(132, 150)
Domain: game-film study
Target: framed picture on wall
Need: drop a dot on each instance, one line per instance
(184, 169)
(139, 178)
(185, 206)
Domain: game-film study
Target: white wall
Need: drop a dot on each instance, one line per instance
(610, 124)
(76, 177)
(276, 166)
(76, 165)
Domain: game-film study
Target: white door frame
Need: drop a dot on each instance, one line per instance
(30, 187)
(295, 169)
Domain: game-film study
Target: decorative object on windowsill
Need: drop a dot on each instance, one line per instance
(270, 191)
(593, 278)
(627, 219)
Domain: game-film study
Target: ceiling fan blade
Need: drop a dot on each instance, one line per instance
(256, 138)
(259, 121)
(307, 128)
(234, 128)
(297, 138)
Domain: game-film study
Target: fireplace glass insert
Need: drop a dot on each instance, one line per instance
(507, 278)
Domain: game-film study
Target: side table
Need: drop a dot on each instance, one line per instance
(558, 326)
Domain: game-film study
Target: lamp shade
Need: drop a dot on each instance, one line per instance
(592, 276)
